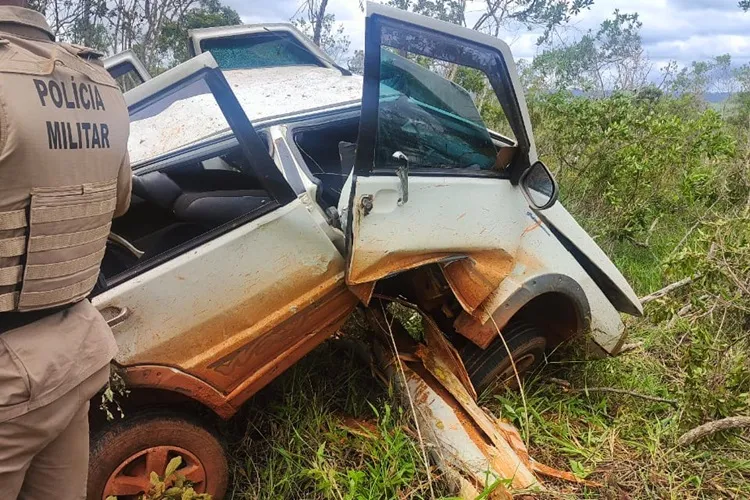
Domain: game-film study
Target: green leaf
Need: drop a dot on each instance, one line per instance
(172, 466)
(154, 478)
(578, 469)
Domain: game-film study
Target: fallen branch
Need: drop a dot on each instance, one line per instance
(709, 428)
(631, 347)
(567, 388)
(651, 230)
(667, 289)
(560, 382)
(627, 393)
(548, 471)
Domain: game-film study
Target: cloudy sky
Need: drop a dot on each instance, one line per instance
(681, 30)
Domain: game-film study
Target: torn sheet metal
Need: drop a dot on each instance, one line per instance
(473, 279)
(473, 449)
(501, 455)
(456, 442)
(455, 445)
(438, 344)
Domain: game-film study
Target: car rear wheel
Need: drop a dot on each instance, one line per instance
(125, 453)
(492, 367)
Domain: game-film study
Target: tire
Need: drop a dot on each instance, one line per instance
(120, 453)
(491, 368)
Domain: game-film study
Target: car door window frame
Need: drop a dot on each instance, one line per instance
(259, 163)
(424, 36)
(204, 67)
(209, 151)
(129, 62)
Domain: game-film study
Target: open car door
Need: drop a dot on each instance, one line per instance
(429, 185)
(127, 69)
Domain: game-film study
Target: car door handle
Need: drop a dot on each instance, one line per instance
(403, 176)
(115, 315)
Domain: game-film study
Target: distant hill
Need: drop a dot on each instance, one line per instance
(714, 97)
(710, 97)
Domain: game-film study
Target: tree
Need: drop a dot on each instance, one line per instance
(744, 5)
(497, 14)
(322, 28)
(610, 58)
(172, 43)
(701, 77)
(155, 29)
(356, 63)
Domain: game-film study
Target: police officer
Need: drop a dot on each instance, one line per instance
(64, 173)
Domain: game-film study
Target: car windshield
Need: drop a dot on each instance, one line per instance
(259, 50)
(429, 118)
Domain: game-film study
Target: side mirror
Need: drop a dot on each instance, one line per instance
(539, 186)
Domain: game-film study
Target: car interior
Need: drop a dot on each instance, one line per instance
(174, 205)
(328, 153)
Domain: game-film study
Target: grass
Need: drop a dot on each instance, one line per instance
(622, 441)
(327, 429)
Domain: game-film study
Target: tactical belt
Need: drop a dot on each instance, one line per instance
(12, 320)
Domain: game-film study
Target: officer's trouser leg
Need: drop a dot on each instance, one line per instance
(44, 453)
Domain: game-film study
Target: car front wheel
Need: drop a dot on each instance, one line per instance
(125, 453)
(492, 368)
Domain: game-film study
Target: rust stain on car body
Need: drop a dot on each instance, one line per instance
(252, 352)
(243, 347)
(475, 277)
(226, 383)
(477, 325)
(381, 266)
(172, 379)
(472, 276)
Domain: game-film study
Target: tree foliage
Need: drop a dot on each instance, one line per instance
(322, 28)
(172, 42)
(610, 58)
(155, 29)
(497, 14)
(630, 158)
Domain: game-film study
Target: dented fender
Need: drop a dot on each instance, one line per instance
(513, 295)
(543, 265)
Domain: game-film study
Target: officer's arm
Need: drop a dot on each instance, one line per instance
(124, 185)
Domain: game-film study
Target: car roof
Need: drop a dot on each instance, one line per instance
(263, 93)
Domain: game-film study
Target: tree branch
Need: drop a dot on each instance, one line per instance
(667, 289)
(627, 393)
(709, 428)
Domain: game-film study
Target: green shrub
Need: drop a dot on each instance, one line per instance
(627, 159)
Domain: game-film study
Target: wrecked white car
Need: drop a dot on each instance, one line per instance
(274, 191)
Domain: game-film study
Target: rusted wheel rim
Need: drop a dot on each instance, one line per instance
(507, 377)
(132, 478)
